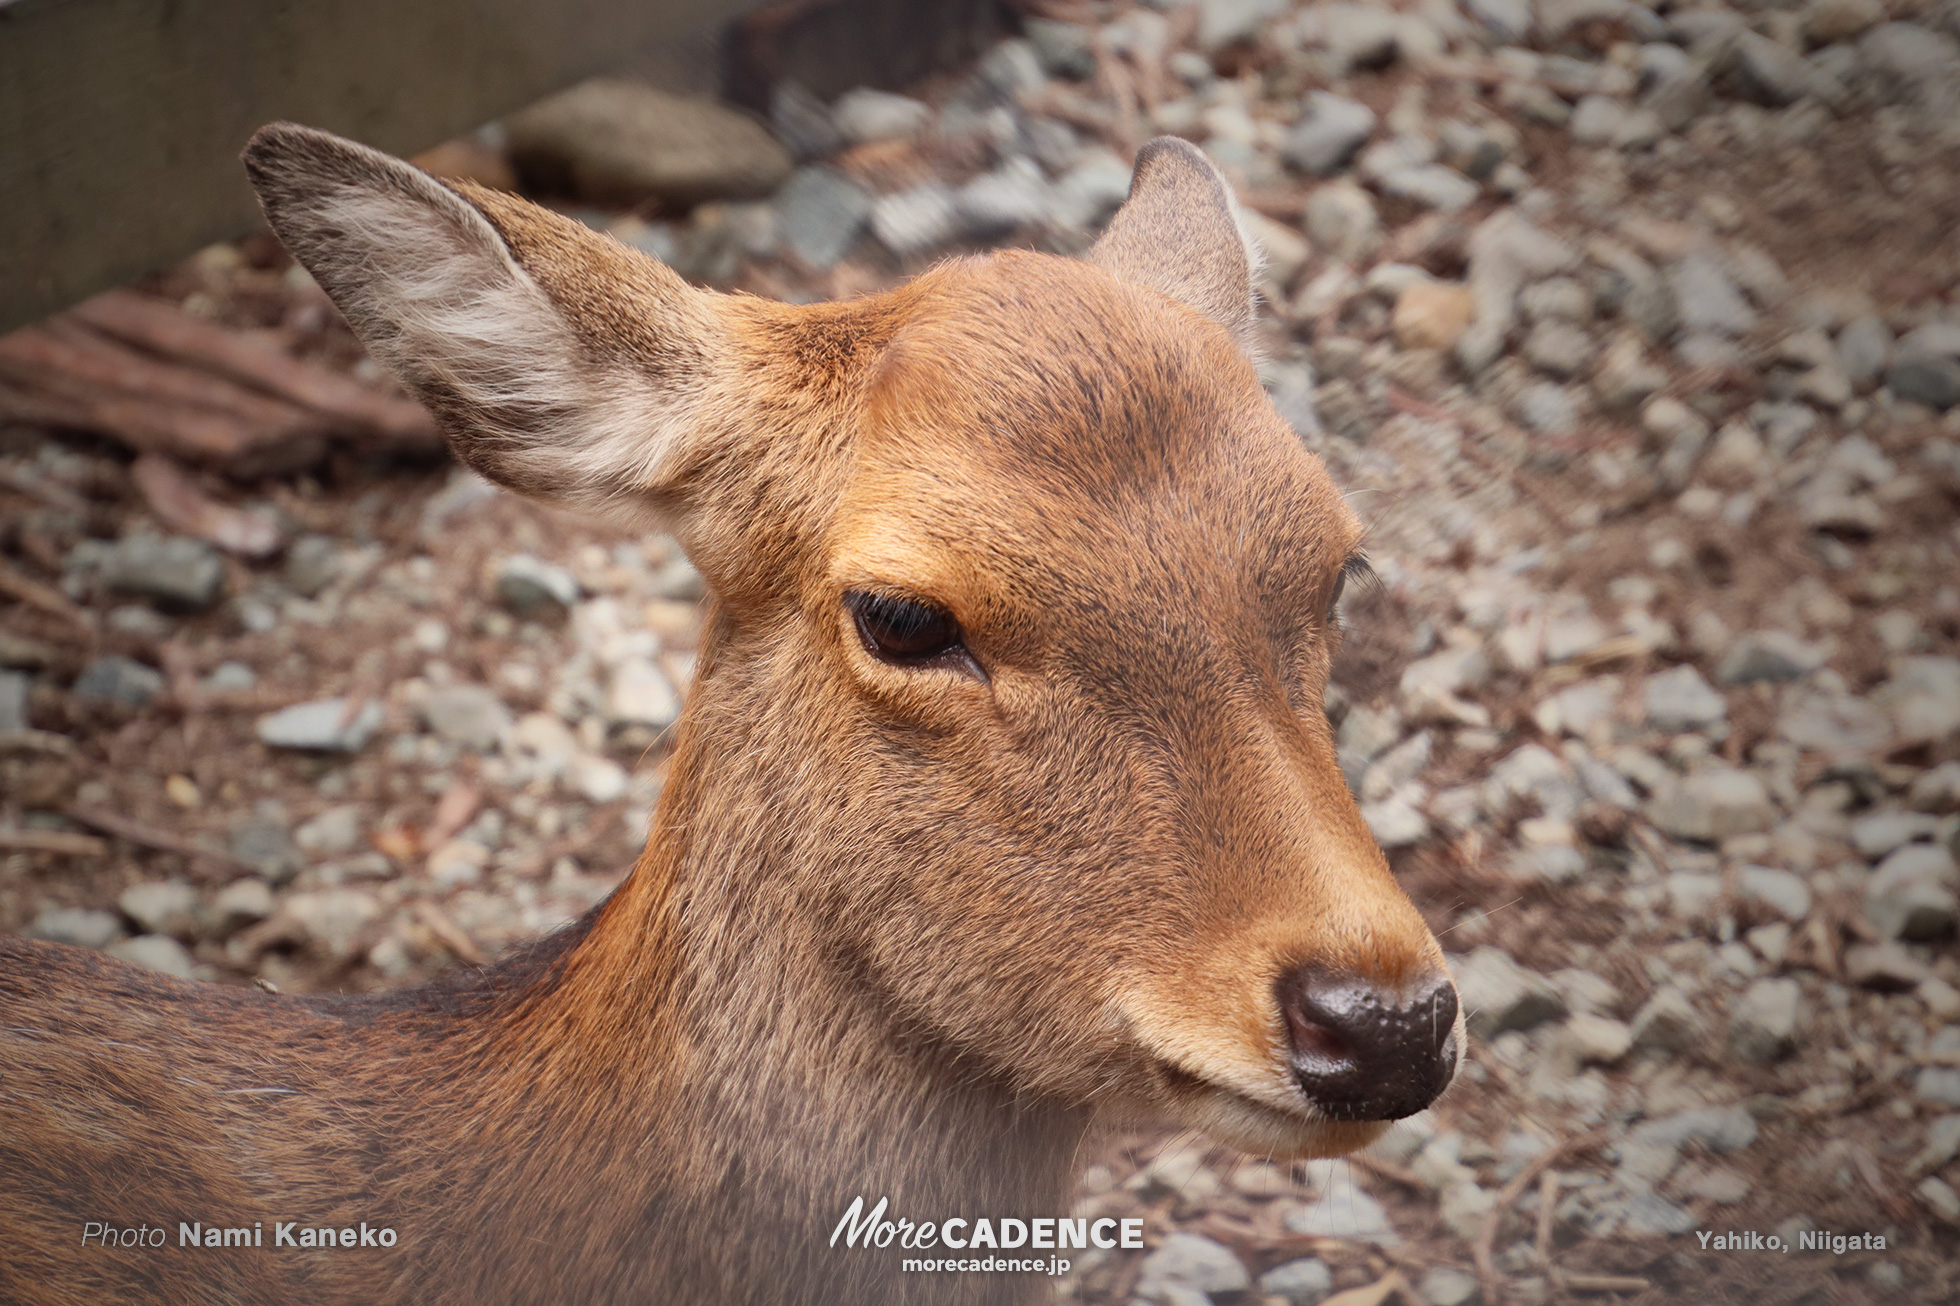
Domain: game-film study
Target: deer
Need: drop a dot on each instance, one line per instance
(1004, 808)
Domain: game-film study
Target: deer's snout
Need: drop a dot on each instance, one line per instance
(1361, 1052)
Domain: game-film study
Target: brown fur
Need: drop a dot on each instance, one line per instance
(898, 933)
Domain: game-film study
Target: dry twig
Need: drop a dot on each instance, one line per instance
(52, 841)
(147, 836)
(1487, 1276)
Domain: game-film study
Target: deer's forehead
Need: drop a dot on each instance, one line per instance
(1235, 517)
(1035, 421)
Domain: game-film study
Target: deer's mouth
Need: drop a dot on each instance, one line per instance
(1254, 1125)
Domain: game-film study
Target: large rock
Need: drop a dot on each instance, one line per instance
(175, 572)
(470, 715)
(1304, 1282)
(324, 725)
(615, 141)
(1912, 893)
(1190, 1260)
(1328, 134)
(1713, 804)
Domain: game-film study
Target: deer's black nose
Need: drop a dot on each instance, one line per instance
(1361, 1052)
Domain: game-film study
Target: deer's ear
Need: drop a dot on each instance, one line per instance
(561, 363)
(1179, 233)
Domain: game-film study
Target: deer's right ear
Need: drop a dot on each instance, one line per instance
(561, 363)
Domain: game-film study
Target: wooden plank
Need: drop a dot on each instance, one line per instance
(121, 120)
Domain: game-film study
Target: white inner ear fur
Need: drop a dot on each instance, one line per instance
(436, 295)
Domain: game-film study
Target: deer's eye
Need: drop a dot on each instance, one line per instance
(1334, 599)
(904, 632)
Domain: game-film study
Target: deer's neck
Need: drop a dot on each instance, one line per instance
(722, 1086)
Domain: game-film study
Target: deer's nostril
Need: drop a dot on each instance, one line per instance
(1362, 1053)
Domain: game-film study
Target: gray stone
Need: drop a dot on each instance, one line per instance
(1882, 832)
(1328, 134)
(865, 114)
(13, 700)
(1886, 966)
(118, 680)
(1192, 1260)
(1360, 36)
(1707, 297)
(1912, 894)
(1548, 409)
(470, 715)
(1431, 185)
(1764, 72)
(1012, 195)
(1535, 775)
(229, 677)
(177, 573)
(1717, 1128)
(1225, 22)
(622, 142)
(333, 921)
(1937, 790)
(802, 122)
(1773, 656)
(1826, 22)
(1499, 995)
(1864, 348)
(1679, 699)
(312, 564)
(333, 833)
(155, 952)
(1666, 1022)
(324, 725)
(1934, 382)
(1065, 49)
(1939, 1085)
(641, 694)
(1712, 805)
(532, 587)
(161, 907)
(1510, 21)
(1012, 69)
(81, 926)
(1448, 1286)
(1298, 1283)
(1763, 1027)
(1691, 895)
(1639, 1215)
(264, 839)
(1350, 1214)
(1781, 891)
(1831, 722)
(1395, 823)
(1341, 220)
(1559, 348)
(1087, 194)
(242, 903)
(916, 220)
(1597, 120)
(1923, 696)
(1170, 1294)
(821, 212)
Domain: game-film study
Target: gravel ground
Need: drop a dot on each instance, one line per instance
(1634, 333)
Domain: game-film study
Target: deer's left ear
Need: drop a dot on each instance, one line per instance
(1179, 233)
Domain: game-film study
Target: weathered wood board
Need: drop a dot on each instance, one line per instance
(121, 120)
